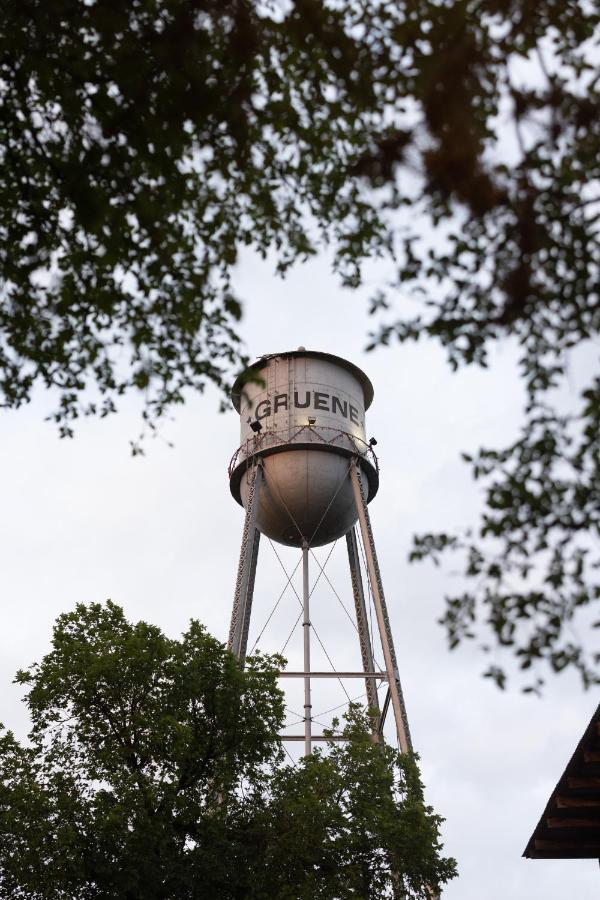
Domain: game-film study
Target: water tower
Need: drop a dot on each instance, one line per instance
(304, 473)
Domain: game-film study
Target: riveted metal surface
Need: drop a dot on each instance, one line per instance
(256, 369)
(306, 496)
(298, 388)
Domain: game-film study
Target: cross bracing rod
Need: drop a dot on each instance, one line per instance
(334, 674)
(381, 613)
(314, 737)
(244, 587)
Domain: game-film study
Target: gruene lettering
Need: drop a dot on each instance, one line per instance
(320, 401)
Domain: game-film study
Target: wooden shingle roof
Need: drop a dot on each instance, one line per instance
(570, 824)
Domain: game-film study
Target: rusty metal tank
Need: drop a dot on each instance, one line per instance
(303, 414)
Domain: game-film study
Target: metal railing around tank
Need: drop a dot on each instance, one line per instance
(309, 434)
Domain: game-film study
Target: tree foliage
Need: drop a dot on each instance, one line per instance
(145, 143)
(509, 140)
(153, 769)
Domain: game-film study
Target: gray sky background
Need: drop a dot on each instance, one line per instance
(83, 521)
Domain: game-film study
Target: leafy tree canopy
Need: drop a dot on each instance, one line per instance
(145, 142)
(510, 102)
(153, 769)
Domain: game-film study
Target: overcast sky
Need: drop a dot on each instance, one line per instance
(84, 521)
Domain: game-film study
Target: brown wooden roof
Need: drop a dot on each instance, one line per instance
(570, 824)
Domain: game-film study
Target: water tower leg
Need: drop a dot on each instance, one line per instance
(362, 623)
(249, 596)
(306, 629)
(244, 587)
(383, 622)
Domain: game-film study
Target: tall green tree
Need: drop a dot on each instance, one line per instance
(153, 770)
(145, 142)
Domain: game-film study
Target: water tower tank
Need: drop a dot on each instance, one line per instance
(303, 414)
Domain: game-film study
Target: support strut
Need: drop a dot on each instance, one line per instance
(306, 629)
(383, 622)
(244, 586)
(363, 630)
